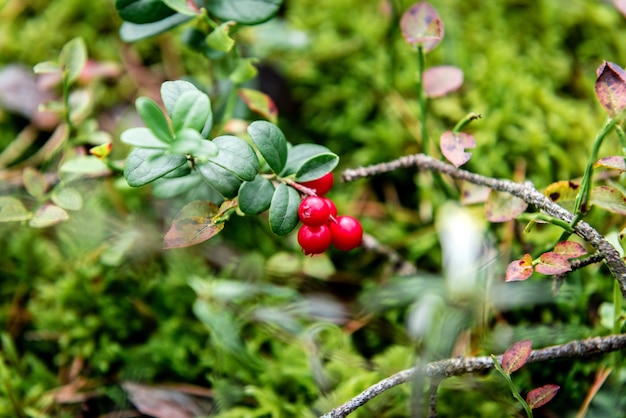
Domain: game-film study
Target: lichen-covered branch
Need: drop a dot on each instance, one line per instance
(457, 366)
(525, 191)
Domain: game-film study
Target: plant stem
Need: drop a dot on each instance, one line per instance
(465, 121)
(532, 217)
(585, 186)
(516, 394)
(66, 104)
(421, 99)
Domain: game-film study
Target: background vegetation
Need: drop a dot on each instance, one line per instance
(94, 312)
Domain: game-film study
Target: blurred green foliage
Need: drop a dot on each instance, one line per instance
(95, 301)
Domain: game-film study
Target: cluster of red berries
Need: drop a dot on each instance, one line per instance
(321, 225)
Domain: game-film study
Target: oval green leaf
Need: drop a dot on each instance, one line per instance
(154, 119)
(48, 215)
(142, 11)
(12, 210)
(248, 12)
(301, 153)
(191, 110)
(166, 188)
(189, 141)
(142, 137)
(146, 165)
(73, 58)
(316, 167)
(220, 179)
(236, 156)
(271, 143)
(67, 198)
(284, 210)
(219, 38)
(132, 32)
(255, 196)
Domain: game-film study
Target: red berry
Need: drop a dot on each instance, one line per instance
(313, 211)
(347, 233)
(314, 239)
(321, 185)
(331, 206)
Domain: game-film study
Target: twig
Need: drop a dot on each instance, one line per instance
(526, 192)
(457, 366)
(557, 280)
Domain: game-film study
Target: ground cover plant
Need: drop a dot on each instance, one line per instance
(266, 208)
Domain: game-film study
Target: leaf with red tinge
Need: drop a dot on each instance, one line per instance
(563, 193)
(259, 103)
(516, 356)
(48, 215)
(441, 80)
(611, 87)
(608, 198)
(502, 207)
(569, 249)
(519, 270)
(421, 24)
(541, 396)
(552, 263)
(192, 225)
(453, 147)
(472, 193)
(614, 162)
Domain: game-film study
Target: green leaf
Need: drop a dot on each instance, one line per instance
(67, 198)
(73, 58)
(259, 103)
(12, 210)
(316, 167)
(255, 196)
(219, 38)
(172, 90)
(237, 156)
(142, 11)
(284, 209)
(166, 187)
(142, 137)
(248, 12)
(244, 71)
(183, 6)
(48, 215)
(609, 198)
(146, 165)
(299, 154)
(189, 141)
(271, 143)
(132, 32)
(87, 164)
(35, 183)
(191, 110)
(46, 67)
(222, 180)
(192, 225)
(154, 119)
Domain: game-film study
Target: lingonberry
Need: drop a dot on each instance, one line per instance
(313, 211)
(321, 185)
(314, 239)
(331, 206)
(346, 232)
